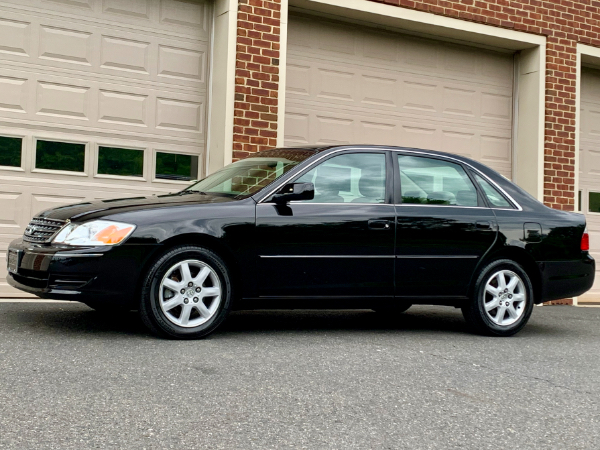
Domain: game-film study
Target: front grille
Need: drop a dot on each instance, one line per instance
(41, 230)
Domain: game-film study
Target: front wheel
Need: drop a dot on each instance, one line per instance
(502, 300)
(186, 293)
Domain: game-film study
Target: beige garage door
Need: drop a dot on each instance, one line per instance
(353, 84)
(98, 99)
(589, 167)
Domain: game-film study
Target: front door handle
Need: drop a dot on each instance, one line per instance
(379, 224)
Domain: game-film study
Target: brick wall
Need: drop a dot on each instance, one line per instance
(564, 23)
(256, 77)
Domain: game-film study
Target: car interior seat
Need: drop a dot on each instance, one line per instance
(328, 186)
(371, 186)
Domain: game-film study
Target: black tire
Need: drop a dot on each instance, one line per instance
(474, 310)
(150, 310)
(398, 308)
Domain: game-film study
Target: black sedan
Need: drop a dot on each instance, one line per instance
(315, 227)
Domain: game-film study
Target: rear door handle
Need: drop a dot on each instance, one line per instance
(379, 225)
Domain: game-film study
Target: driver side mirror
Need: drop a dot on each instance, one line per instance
(295, 191)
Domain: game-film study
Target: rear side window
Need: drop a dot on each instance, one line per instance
(431, 181)
(494, 197)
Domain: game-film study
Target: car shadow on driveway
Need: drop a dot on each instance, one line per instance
(76, 319)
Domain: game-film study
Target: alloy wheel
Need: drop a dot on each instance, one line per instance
(504, 298)
(190, 293)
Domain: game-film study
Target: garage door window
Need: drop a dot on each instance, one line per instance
(594, 202)
(173, 166)
(429, 181)
(10, 151)
(60, 156)
(120, 161)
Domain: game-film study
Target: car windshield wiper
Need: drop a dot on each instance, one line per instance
(192, 192)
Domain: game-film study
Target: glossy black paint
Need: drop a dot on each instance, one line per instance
(307, 254)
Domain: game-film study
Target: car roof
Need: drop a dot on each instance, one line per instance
(322, 148)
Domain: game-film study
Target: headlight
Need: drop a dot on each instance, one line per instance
(96, 232)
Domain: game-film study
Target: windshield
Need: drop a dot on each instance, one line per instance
(248, 176)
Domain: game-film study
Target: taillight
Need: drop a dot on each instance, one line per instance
(585, 241)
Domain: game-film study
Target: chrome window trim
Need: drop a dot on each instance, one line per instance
(399, 150)
(437, 256)
(78, 255)
(431, 205)
(302, 202)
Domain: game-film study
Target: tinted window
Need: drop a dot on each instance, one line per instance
(432, 181)
(60, 156)
(120, 161)
(495, 198)
(175, 166)
(594, 205)
(10, 151)
(351, 178)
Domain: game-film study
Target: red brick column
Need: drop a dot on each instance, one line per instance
(256, 76)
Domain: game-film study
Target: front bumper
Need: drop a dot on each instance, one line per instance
(107, 274)
(566, 279)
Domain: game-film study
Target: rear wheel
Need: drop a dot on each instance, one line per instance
(502, 300)
(186, 293)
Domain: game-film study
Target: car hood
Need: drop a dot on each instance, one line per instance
(99, 208)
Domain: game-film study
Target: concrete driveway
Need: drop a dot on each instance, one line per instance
(71, 378)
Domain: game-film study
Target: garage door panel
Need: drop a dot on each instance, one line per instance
(352, 84)
(311, 124)
(313, 38)
(69, 101)
(345, 85)
(126, 74)
(94, 49)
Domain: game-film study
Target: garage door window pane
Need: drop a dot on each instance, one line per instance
(430, 181)
(120, 161)
(173, 166)
(353, 178)
(594, 205)
(60, 156)
(10, 151)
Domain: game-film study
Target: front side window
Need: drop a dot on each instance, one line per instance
(248, 176)
(495, 198)
(430, 181)
(350, 178)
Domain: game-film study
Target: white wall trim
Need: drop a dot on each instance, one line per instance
(222, 98)
(528, 139)
(282, 73)
(586, 56)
